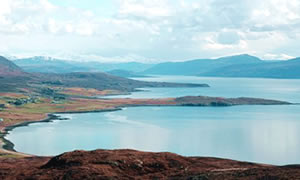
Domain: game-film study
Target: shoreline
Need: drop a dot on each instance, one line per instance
(7, 145)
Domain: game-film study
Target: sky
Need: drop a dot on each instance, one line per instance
(149, 30)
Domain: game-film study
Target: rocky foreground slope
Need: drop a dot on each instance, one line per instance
(130, 164)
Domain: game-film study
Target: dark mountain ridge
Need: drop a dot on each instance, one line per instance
(275, 69)
(198, 66)
(232, 66)
(9, 68)
(53, 65)
(99, 80)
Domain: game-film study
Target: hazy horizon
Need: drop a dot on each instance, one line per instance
(49, 58)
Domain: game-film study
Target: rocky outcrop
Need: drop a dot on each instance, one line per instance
(130, 164)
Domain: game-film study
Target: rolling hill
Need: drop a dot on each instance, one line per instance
(8, 68)
(102, 81)
(13, 79)
(232, 66)
(195, 67)
(52, 65)
(278, 69)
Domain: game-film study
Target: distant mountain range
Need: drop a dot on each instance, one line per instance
(232, 66)
(279, 69)
(200, 66)
(52, 65)
(14, 79)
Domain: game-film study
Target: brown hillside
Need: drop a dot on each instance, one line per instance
(130, 164)
(9, 68)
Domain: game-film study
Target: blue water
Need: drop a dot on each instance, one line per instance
(265, 134)
(280, 89)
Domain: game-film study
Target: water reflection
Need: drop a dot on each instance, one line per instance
(266, 134)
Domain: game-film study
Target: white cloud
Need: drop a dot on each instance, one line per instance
(53, 26)
(153, 29)
(69, 28)
(5, 7)
(47, 6)
(144, 8)
(5, 10)
(269, 56)
(276, 12)
(85, 29)
(224, 40)
(213, 45)
(228, 37)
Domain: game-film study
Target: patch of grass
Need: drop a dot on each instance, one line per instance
(2, 101)
(88, 92)
(12, 95)
(6, 155)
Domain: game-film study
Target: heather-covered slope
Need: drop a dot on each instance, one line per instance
(12, 77)
(130, 164)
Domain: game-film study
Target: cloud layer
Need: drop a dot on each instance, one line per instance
(150, 30)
